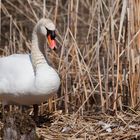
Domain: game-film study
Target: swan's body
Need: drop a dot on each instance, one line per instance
(28, 79)
(17, 81)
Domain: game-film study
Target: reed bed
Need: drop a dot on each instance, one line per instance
(125, 126)
(98, 51)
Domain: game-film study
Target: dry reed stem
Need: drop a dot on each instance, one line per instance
(99, 43)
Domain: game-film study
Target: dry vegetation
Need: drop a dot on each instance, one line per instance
(97, 59)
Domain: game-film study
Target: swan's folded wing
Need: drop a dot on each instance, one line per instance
(16, 74)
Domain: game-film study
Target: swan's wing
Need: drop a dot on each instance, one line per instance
(16, 74)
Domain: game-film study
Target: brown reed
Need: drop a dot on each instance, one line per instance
(99, 42)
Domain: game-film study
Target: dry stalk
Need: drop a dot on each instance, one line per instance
(100, 45)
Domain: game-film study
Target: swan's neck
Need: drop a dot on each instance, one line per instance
(37, 51)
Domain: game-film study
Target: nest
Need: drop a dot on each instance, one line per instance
(92, 127)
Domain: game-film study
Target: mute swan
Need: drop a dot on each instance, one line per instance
(27, 79)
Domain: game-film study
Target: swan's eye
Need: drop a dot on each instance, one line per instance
(51, 33)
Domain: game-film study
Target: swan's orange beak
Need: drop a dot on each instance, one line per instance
(51, 42)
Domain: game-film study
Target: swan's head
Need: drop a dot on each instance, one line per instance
(46, 28)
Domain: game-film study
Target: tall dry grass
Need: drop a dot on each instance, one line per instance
(98, 57)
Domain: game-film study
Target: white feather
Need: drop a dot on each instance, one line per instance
(21, 83)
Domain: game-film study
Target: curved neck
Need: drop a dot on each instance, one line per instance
(37, 50)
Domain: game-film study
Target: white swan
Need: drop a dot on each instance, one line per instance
(28, 79)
